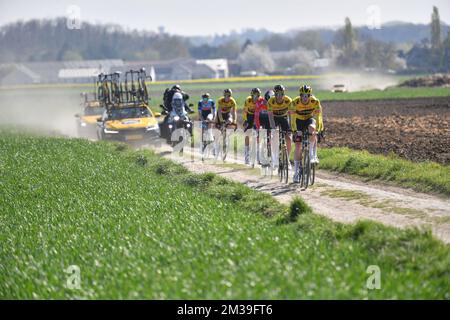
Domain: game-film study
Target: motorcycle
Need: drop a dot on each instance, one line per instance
(176, 119)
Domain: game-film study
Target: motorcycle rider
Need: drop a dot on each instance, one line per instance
(168, 96)
(178, 105)
(167, 104)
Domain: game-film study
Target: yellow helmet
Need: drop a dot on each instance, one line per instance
(305, 89)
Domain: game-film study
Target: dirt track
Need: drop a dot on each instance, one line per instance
(341, 198)
(416, 129)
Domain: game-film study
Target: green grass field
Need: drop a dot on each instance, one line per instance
(241, 90)
(422, 176)
(139, 226)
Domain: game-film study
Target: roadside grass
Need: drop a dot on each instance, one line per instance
(140, 226)
(420, 176)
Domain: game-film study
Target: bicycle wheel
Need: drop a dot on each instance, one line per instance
(306, 166)
(313, 174)
(285, 161)
(225, 145)
(307, 169)
(280, 165)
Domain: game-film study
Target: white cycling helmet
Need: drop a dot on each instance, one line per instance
(177, 95)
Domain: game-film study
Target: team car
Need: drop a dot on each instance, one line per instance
(87, 120)
(339, 88)
(127, 115)
(128, 122)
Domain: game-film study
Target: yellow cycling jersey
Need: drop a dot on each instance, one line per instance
(225, 107)
(300, 111)
(279, 109)
(249, 107)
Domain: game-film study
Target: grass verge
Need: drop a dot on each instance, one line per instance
(139, 226)
(420, 176)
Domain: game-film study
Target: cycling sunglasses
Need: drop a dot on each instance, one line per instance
(305, 95)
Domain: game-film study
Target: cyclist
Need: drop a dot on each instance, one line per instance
(306, 114)
(206, 106)
(278, 108)
(248, 116)
(226, 108)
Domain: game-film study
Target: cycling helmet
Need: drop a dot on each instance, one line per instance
(205, 95)
(227, 91)
(279, 88)
(176, 87)
(305, 89)
(255, 91)
(177, 99)
(269, 94)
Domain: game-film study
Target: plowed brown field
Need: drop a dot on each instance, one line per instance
(416, 129)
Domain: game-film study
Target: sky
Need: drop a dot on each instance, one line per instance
(209, 17)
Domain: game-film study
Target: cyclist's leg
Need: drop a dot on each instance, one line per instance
(250, 120)
(312, 140)
(284, 125)
(298, 149)
(297, 156)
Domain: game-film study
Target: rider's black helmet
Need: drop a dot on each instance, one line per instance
(227, 91)
(255, 91)
(279, 88)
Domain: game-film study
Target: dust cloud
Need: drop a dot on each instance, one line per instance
(358, 81)
(41, 110)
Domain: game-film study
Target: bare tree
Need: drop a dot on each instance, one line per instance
(256, 58)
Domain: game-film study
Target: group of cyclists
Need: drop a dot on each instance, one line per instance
(272, 110)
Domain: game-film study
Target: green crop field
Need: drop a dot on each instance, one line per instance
(139, 226)
(241, 90)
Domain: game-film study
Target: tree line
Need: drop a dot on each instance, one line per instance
(349, 47)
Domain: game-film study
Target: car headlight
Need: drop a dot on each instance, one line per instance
(152, 127)
(170, 126)
(106, 130)
(83, 124)
(176, 118)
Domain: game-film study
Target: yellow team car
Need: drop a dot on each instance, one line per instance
(87, 122)
(129, 123)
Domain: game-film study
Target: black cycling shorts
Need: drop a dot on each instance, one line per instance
(225, 117)
(303, 125)
(264, 122)
(250, 122)
(205, 114)
(283, 123)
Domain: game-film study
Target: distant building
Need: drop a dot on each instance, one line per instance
(218, 66)
(55, 72)
(321, 63)
(188, 69)
(84, 71)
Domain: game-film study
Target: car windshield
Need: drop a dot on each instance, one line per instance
(126, 113)
(89, 111)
